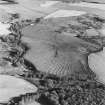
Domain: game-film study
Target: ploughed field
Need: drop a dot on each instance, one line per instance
(55, 46)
